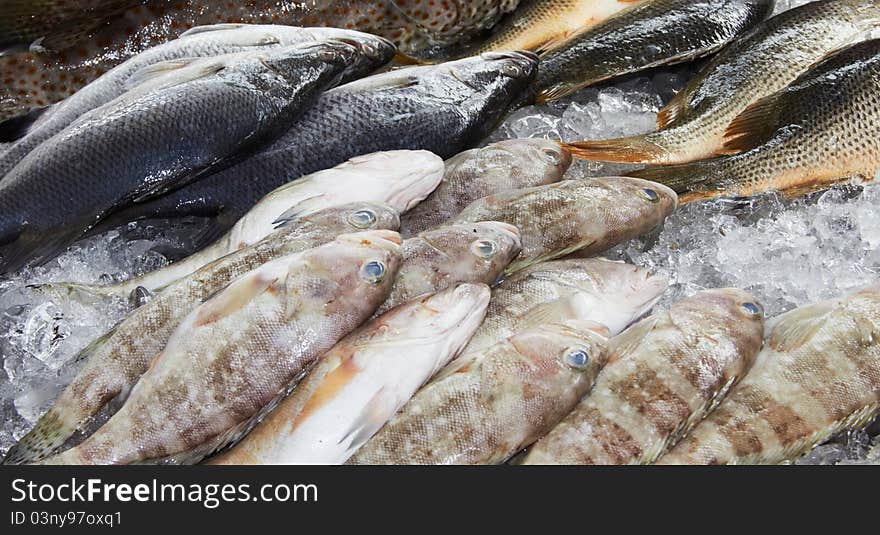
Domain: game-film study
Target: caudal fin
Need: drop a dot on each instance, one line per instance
(48, 435)
(636, 149)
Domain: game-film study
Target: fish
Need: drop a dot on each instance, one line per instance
(155, 143)
(660, 32)
(205, 41)
(28, 23)
(818, 375)
(814, 133)
(364, 380)
(537, 352)
(587, 217)
(693, 123)
(400, 179)
(477, 173)
(663, 376)
(237, 354)
(539, 24)
(57, 68)
(440, 258)
(114, 362)
(444, 109)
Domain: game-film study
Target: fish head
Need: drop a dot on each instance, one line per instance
(648, 202)
(612, 293)
(332, 57)
(464, 252)
(356, 217)
(355, 272)
(529, 157)
(562, 355)
(400, 178)
(373, 52)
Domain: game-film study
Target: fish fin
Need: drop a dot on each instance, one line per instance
(753, 126)
(382, 83)
(207, 28)
(552, 43)
(635, 149)
(674, 110)
(305, 207)
(519, 265)
(372, 417)
(555, 92)
(794, 329)
(176, 70)
(405, 59)
(214, 229)
(627, 342)
(555, 311)
(819, 184)
(236, 296)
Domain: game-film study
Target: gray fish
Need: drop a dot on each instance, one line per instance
(661, 32)
(664, 375)
(116, 361)
(242, 350)
(444, 109)
(440, 258)
(587, 217)
(818, 375)
(204, 41)
(818, 131)
(761, 62)
(142, 147)
(477, 173)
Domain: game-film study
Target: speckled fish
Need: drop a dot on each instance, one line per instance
(364, 380)
(818, 375)
(818, 131)
(584, 216)
(539, 24)
(399, 179)
(114, 362)
(761, 62)
(664, 375)
(440, 258)
(477, 173)
(199, 42)
(57, 68)
(535, 355)
(242, 349)
(149, 145)
(441, 108)
(660, 32)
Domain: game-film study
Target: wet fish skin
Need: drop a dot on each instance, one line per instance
(142, 148)
(114, 363)
(583, 216)
(443, 23)
(539, 23)
(397, 178)
(441, 108)
(364, 380)
(207, 41)
(240, 350)
(470, 412)
(759, 63)
(477, 173)
(661, 32)
(440, 258)
(818, 375)
(663, 376)
(818, 131)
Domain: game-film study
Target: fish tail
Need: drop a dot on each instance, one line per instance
(48, 435)
(635, 149)
(691, 181)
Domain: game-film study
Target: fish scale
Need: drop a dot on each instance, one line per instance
(818, 375)
(664, 375)
(817, 131)
(114, 363)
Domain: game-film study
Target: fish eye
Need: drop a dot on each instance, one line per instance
(484, 248)
(577, 358)
(512, 70)
(362, 219)
(752, 309)
(651, 195)
(373, 272)
(554, 155)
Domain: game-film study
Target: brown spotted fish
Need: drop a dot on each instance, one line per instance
(527, 366)
(477, 173)
(664, 375)
(242, 349)
(818, 375)
(584, 216)
(116, 361)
